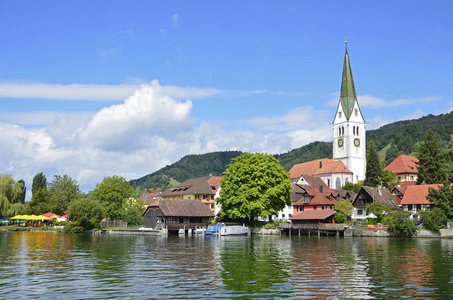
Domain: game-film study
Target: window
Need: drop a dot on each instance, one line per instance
(323, 207)
(346, 180)
(315, 208)
(339, 114)
(357, 130)
(338, 183)
(189, 196)
(328, 182)
(353, 130)
(412, 178)
(356, 111)
(197, 196)
(283, 215)
(300, 208)
(339, 131)
(359, 212)
(307, 200)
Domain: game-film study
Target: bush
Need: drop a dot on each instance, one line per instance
(434, 219)
(400, 223)
(340, 218)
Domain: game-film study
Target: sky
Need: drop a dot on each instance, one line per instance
(100, 88)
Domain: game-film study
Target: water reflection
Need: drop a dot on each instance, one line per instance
(50, 265)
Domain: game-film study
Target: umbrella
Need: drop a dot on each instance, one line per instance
(18, 217)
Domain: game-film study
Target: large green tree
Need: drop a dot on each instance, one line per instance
(373, 167)
(24, 191)
(254, 185)
(344, 208)
(86, 213)
(430, 160)
(39, 182)
(112, 194)
(10, 193)
(378, 209)
(61, 191)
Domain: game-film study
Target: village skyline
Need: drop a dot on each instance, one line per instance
(125, 90)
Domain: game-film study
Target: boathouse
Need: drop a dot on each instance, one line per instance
(176, 214)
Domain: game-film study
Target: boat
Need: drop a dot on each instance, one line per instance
(213, 229)
(234, 230)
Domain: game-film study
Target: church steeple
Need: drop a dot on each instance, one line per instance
(348, 96)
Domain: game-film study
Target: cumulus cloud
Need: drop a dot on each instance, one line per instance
(145, 132)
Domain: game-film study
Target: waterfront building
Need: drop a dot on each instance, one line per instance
(349, 127)
(368, 195)
(176, 214)
(405, 168)
(205, 189)
(414, 199)
(334, 173)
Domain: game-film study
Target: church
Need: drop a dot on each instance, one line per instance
(349, 143)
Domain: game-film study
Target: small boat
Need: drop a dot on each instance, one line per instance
(234, 230)
(213, 229)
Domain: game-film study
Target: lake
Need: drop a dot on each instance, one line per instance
(41, 265)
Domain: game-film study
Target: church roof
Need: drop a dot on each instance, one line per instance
(403, 164)
(318, 167)
(348, 96)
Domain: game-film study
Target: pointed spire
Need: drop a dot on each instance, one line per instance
(348, 95)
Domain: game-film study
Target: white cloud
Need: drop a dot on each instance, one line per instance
(375, 102)
(299, 118)
(145, 132)
(175, 19)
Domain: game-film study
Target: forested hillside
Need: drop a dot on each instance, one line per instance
(391, 140)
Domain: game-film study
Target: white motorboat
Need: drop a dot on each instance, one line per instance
(234, 230)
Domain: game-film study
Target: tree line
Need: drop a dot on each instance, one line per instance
(112, 199)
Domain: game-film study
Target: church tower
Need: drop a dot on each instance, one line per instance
(349, 127)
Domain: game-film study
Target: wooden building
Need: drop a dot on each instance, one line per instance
(175, 214)
(368, 195)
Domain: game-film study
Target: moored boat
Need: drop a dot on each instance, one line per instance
(234, 230)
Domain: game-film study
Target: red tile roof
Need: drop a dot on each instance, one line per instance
(318, 167)
(416, 194)
(182, 208)
(314, 214)
(49, 215)
(403, 164)
(203, 185)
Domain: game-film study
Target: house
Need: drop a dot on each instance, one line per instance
(150, 197)
(334, 173)
(399, 190)
(405, 167)
(175, 214)
(415, 199)
(314, 217)
(368, 195)
(205, 189)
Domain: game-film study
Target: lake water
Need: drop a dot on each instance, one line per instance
(36, 265)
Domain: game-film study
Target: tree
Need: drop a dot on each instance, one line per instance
(388, 179)
(434, 219)
(39, 182)
(86, 213)
(373, 168)
(340, 218)
(24, 191)
(349, 186)
(39, 203)
(442, 198)
(378, 209)
(400, 223)
(112, 193)
(430, 160)
(61, 191)
(10, 192)
(345, 208)
(254, 185)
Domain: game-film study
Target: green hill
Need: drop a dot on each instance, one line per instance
(391, 140)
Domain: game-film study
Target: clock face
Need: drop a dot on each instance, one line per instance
(357, 142)
(340, 142)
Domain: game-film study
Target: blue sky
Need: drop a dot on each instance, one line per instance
(100, 88)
